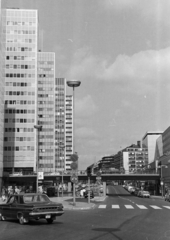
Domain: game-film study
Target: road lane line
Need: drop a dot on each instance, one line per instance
(141, 206)
(129, 207)
(115, 206)
(102, 206)
(155, 207)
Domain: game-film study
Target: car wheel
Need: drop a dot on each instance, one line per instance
(50, 220)
(22, 220)
(2, 218)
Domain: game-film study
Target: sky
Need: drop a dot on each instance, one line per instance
(120, 51)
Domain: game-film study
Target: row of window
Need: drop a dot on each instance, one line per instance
(45, 95)
(45, 102)
(18, 84)
(21, 130)
(19, 23)
(47, 165)
(46, 82)
(14, 102)
(21, 40)
(19, 66)
(20, 49)
(25, 58)
(46, 62)
(16, 31)
(19, 148)
(45, 75)
(46, 157)
(45, 69)
(20, 93)
(20, 75)
(45, 89)
(46, 123)
(18, 139)
(20, 111)
(46, 109)
(19, 120)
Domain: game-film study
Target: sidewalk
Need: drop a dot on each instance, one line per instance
(83, 205)
(80, 204)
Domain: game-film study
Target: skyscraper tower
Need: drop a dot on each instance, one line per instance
(19, 52)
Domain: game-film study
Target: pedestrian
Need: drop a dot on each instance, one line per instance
(3, 194)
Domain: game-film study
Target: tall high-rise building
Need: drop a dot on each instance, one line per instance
(46, 110)
(19, 52)
(69, 130)
(1, 109)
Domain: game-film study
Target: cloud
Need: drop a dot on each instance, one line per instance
(142, 70)
(155, 10)
(85, 107)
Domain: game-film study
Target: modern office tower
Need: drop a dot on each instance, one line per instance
(46, 111)
(149, 141)
(60, 140)
(19, 51)
(69, 130)
(1, 111)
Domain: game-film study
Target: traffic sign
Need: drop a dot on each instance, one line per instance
(74, 178)
(73, 165)
(74, 157)
(40, 175)
(98, 178)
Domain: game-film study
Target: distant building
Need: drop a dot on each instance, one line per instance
(149, 142)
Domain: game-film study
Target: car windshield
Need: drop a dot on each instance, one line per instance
(35, 198)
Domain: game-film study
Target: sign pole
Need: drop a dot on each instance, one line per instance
(88, 190)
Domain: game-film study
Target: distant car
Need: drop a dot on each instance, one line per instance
(167, 196)
(132, 190)
(139, 193)
(91, 194)
(136, 191)
(28, 206)
(145, 194)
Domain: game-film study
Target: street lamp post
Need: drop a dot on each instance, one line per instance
(62, 147)
(161, 176)
(38, 129)
(73, 84)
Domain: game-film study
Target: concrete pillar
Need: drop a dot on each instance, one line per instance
(104, 189)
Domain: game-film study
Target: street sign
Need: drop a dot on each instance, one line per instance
(98, 178)
(74, 178)
(73, 165)
(74, 157)
(40, 175)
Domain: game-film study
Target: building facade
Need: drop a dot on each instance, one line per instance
(46, 111)
(149, 142)
(19, 53)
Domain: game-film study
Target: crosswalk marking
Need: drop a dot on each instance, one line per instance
(167, 207)
(155, 207)
(141, 207)
(115, 206)
(129, 207)
(102, 206)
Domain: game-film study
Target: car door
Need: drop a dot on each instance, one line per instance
(13, 206)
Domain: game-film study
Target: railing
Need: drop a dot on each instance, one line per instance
(83, 173)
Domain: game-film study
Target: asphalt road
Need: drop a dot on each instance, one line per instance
(121, 216)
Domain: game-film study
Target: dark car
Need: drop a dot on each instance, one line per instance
(28, 206)
(91, 194)
(167, 196)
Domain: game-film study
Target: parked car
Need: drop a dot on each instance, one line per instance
(145, 194)
(136, 191)
(28, 206)
(132, 190)
(91, 194)
(139, 193)
(167, 196)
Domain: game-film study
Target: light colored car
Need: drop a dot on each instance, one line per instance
(167, 196)
(145, 194)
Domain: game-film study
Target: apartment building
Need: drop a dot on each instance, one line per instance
(19, 62)
(46, 110)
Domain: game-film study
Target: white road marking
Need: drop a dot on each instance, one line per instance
(141, 206)
(115, 206)
(155, 207)
(167, 207)
(129, 207)
(102, 206)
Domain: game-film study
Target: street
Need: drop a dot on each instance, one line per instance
(121, 216)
